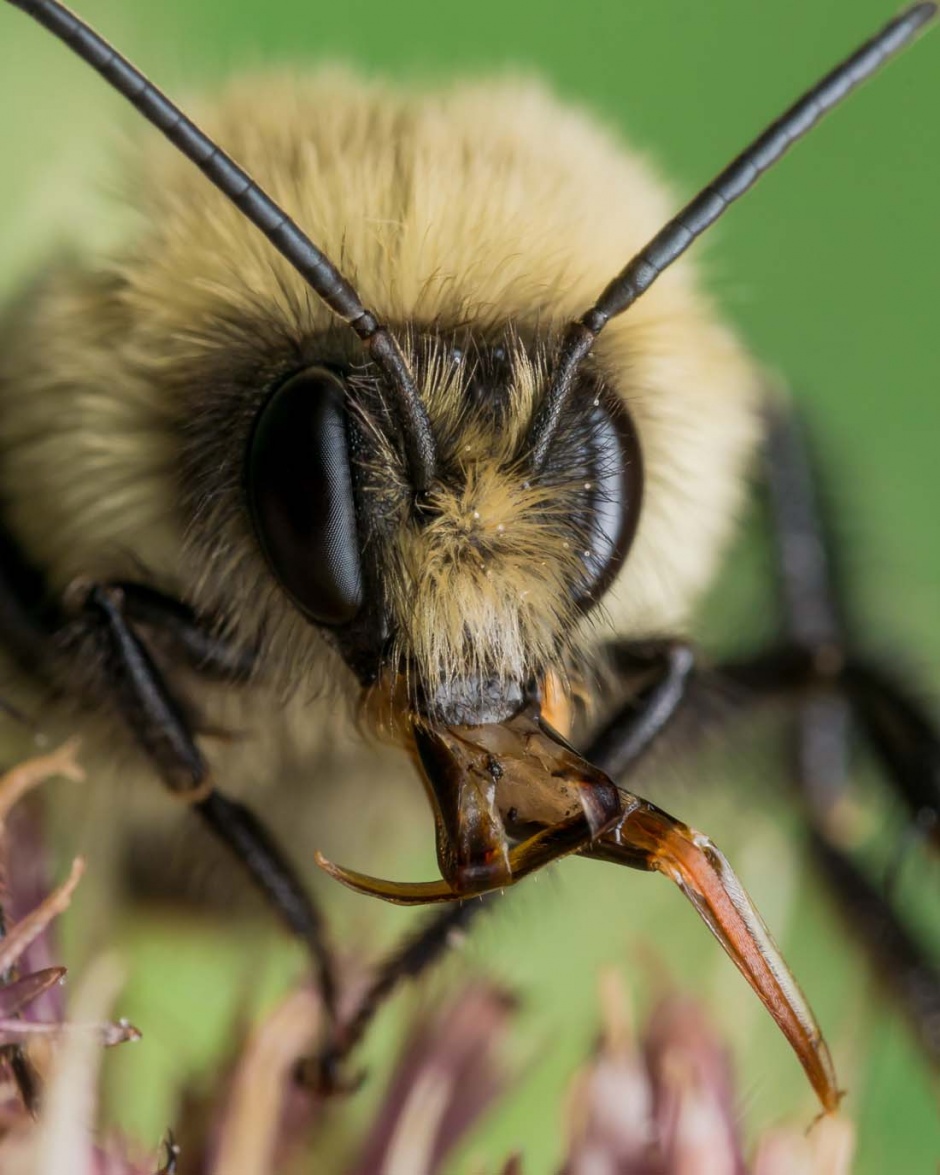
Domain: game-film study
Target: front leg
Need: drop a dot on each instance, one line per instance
(646, 714)
(186, 639)
(164, 732)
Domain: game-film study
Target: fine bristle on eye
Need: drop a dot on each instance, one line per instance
(257, 206)
(711, 202)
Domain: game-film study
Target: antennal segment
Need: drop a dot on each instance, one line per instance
(675, 237)
(237, 185)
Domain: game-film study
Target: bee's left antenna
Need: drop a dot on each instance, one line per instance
(257, 206)
(738, 177)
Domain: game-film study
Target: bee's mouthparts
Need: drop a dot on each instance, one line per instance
(510, 797)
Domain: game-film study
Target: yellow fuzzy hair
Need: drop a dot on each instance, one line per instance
(489, 205)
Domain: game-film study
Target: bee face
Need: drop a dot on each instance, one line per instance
(475, 585)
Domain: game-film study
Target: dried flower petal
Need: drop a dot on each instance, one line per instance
(611, 1100)
(30, 927)
(63, 1141)
(251, 1120)
(827, 1149)
(16, 782)
(694, 1100)
(24, 857)
(669, 1109)
(447, 1078)
(16, 996)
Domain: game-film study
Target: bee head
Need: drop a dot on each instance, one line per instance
(446, 506)
(473, 584)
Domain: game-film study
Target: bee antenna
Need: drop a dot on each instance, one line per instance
(257, 206)
(740, 175)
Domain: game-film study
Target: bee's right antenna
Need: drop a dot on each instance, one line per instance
(234, 182)
(674, 238)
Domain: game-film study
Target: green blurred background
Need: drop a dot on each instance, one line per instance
(831, 269)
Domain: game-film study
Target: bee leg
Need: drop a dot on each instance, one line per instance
(187, 637)
(833, 691)
(909, 750)
(408, 961)
(667, 668)
(253, 846)
(819, 656)
(825, 714)
(164, 732)
(904, 738)
(896, 955)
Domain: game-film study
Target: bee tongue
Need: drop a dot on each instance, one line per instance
(511, 798)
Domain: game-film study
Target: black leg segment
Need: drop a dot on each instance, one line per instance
(164, 732)
(155, 716)
(644, 717)
(187, 638)
(251, 843)
(409, 960)
(836, 691)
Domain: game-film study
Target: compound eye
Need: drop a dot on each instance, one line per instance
(300, 494)
(614, 487)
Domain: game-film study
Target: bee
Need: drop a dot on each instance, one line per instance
(359, 403)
